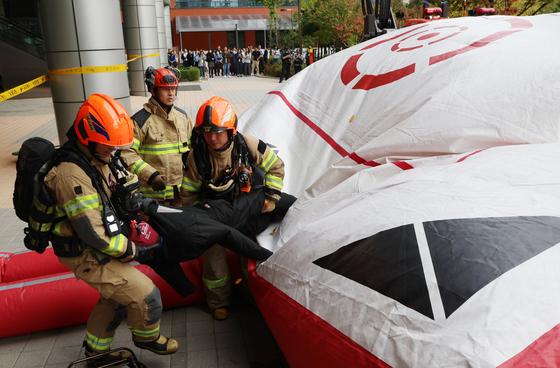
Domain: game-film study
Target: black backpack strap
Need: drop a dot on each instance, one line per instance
(201, 158)
(262, 147)
(243, 150)
(69, 153)
(141, 117)
(181, 110)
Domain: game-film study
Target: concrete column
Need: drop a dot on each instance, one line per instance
(141, 38)
(161, 33)
(83, 33)
(167, 21)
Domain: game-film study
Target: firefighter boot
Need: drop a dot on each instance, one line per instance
(105, 358)
(162, 345)
(220, 314)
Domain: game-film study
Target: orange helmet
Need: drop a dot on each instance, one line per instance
(162, 77)
(216, 115)
(103, 120)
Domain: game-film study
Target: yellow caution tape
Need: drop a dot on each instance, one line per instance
(23, 88)
(90, 69)
(77, 70)
(134, 57)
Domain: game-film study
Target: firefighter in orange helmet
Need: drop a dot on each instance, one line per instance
(88, 238)
(161, 138)
(223, 164)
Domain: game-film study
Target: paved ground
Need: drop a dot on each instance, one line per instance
(241, 341)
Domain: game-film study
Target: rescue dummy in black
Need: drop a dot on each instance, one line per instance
(189, 231)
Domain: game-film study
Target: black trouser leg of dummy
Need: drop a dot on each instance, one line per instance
(243, 209)
(231, 238)
(282, 206)
(172, 273)
(260, 222)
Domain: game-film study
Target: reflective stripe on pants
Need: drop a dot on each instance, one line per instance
(216, 277)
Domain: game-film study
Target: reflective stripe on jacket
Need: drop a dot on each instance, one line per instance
(159, 144)
(76, 197)
(269, 162)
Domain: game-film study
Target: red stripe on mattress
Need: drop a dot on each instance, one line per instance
(321, 133)
(543, 352)
(469, 155)
(403, 165)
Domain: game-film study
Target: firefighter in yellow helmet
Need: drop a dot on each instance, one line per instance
(222, 164)
(89, 240)
(161, 139)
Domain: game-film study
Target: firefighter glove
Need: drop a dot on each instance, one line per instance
(129, 254)
(147, 240)
(157, 182)
(143, 235)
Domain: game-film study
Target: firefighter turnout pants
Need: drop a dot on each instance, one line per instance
(125, 293)
(215, 277)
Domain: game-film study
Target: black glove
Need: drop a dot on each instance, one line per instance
(157, 181)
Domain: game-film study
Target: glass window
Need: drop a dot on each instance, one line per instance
(227, 3)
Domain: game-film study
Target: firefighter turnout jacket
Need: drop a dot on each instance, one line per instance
(160, 141)
(78, 200)
(263, 157)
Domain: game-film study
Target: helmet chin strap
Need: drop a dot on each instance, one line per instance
(226, 146)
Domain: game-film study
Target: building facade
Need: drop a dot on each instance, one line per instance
(209, 24)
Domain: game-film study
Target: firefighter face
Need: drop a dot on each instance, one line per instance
(216, 141)
(104, 153)
(166, 95)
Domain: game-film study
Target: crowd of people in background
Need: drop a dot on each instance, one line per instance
(242, 62)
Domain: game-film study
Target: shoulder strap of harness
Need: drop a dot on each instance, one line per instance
(180, 110)
(141, 117)
(242, 151)
(201, 159)
(262, 147)
(69, 153)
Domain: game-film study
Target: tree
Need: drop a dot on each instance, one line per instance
(533, 7)
(272, 6)
(457, 8)
(333, 22)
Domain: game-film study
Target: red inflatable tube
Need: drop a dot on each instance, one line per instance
(27, 265)
(44, 303)
(35, 290)
(59, 300)
(19, 266)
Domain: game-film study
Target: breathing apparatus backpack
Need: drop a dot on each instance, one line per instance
(32, 202)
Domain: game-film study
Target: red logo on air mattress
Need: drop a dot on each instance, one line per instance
(419, 37)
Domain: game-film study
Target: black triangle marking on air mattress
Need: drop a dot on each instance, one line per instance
(467, 254)
(387, 262)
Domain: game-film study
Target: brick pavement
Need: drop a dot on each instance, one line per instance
(241, 341)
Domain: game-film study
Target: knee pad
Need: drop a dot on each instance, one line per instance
(153, 301)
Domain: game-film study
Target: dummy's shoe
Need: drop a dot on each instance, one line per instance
(102, 359)
(220, 314)
(162, 345)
